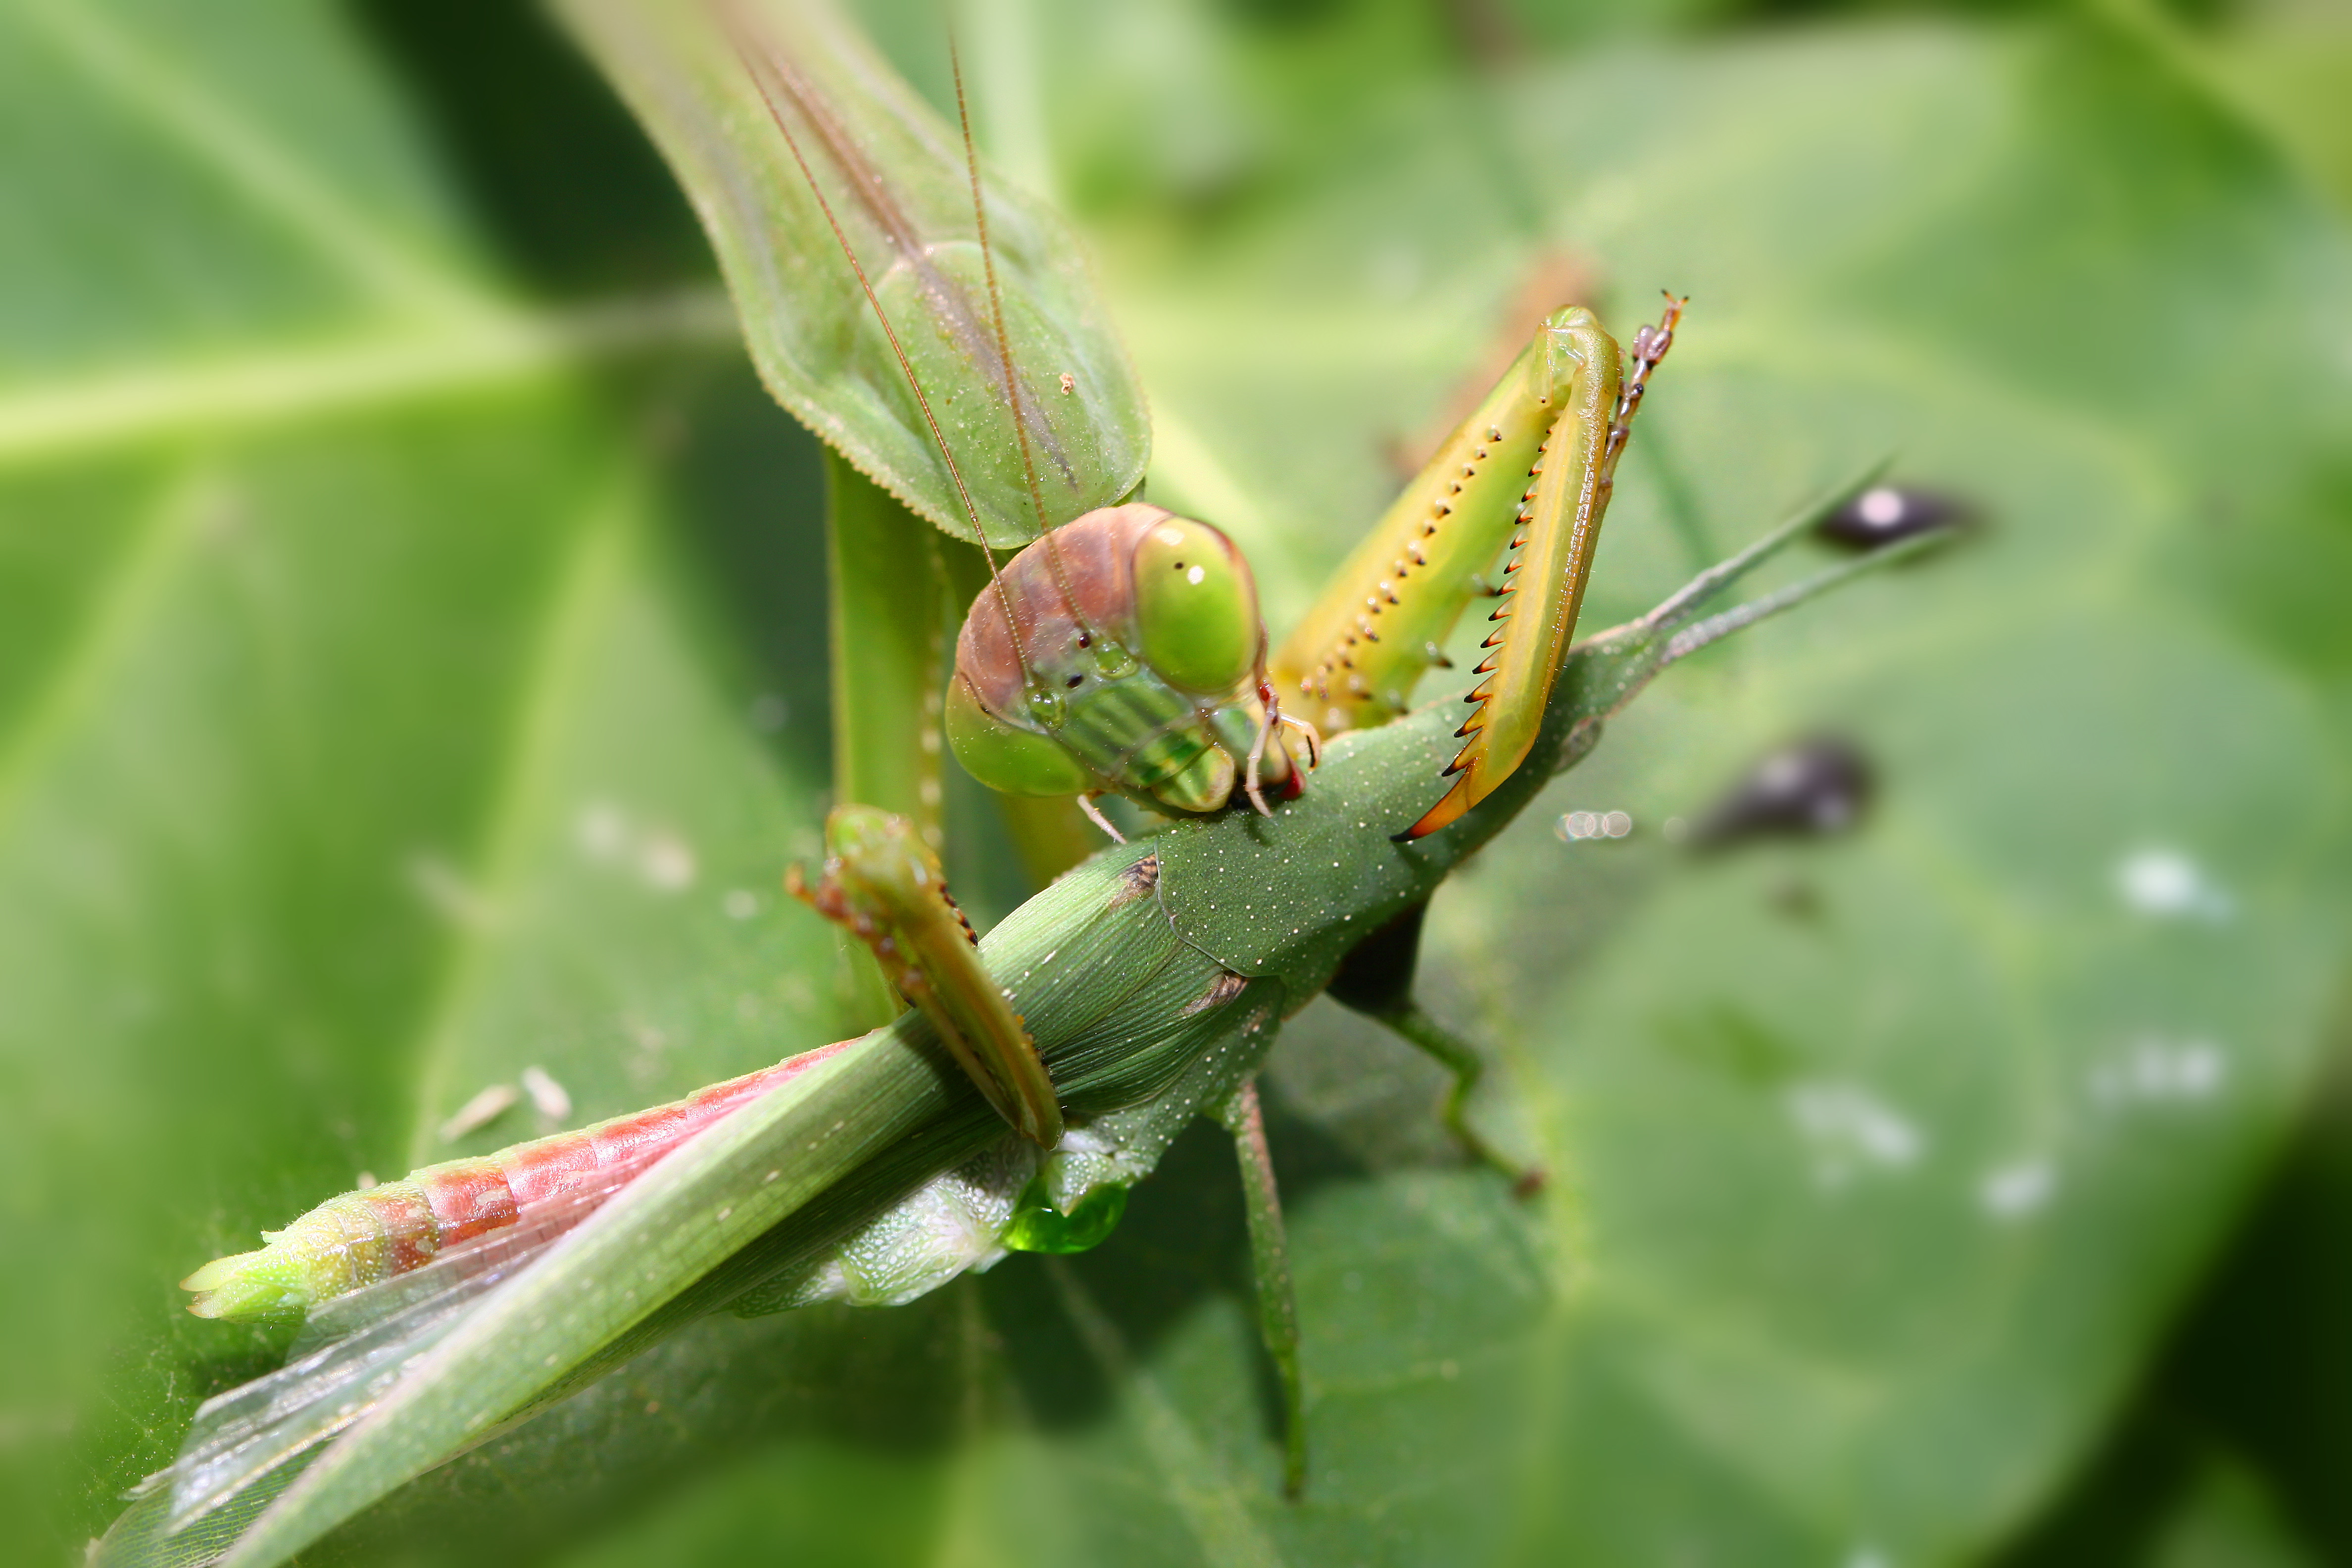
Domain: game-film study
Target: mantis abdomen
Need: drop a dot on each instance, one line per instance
(378, 1231)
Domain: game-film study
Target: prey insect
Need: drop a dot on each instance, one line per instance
(1044, 1071)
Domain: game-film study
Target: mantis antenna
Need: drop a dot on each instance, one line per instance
(1005, 356)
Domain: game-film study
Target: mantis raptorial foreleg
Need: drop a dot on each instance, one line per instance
(1277, 1302)
(1533, 468)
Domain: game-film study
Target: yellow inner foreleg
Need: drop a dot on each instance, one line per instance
(1559, 523)
(1533, 465)
(1353, 661)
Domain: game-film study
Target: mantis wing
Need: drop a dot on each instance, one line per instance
(798, 144)
(350, 1353)
(248, 1445)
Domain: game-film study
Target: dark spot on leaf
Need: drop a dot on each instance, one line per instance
(1886, 514)
(1816, 786)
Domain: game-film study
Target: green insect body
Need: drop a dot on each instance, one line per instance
(1152, 1001)
(887, 888)
(1123, 652)
(874, 1177)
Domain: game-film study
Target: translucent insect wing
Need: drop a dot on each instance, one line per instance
(780, 122)
(245, 1444)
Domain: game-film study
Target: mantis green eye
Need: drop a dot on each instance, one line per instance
(1006, 757)
(1196, 607)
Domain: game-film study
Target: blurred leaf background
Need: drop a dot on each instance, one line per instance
(410, 671)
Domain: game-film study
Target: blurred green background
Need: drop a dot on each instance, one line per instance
(412, 670)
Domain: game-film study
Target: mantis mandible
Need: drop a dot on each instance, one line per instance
(1133, 985)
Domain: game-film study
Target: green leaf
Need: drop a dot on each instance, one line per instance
(1897, 1153)
(391, 699)
(312, 526)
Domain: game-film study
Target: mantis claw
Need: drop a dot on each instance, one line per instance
(1314, 738)
(1272, 718)
(1265, 723)
(1093, 814)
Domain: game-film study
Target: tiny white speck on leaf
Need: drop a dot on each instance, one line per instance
(548, 1097)
(666, 861)
(2167, 884)
(1851, 1131)
(601, 830)
(447, 892)
(2013, 1191)
(480, 1112)
(2152, 1068)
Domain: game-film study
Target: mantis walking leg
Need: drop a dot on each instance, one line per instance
(1277, 1304)
(1376, 980)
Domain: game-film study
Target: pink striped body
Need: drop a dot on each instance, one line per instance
(361, 1237)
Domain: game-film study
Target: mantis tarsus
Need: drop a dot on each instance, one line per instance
(1152, 999)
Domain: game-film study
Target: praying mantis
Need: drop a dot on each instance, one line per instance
(964, 368)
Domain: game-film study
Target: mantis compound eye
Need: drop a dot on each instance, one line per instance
(1006, 757)
(1196, 607)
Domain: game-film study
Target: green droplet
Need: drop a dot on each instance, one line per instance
(1039, 1227)
(1046, 707)
(1112, 661)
